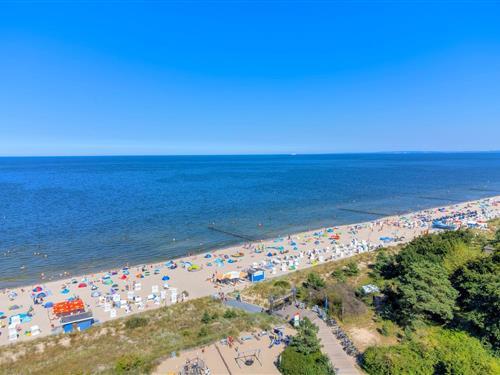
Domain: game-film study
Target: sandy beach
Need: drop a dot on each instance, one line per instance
(128, 290)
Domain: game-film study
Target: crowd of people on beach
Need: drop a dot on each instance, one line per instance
(127, 290)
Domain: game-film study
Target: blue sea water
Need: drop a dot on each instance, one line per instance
(90, 213)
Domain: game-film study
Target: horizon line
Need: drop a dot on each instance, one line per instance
(257, 154)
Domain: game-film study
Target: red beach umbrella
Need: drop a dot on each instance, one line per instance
(82, 285)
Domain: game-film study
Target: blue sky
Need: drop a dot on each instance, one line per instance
(217, 77)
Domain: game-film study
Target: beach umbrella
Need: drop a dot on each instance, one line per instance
(93, 287)
(269, 254)
(108, 282)
(208, 256)
(123, 277)
(95, 294)
(2, 314)
(65, 291)
(48, 305)
(165, 278)
(37, 289)
(139, 276)
(82, 285)
(41, 295)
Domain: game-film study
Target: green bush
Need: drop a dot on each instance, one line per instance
(282, 284)
(229, 314)
(339, 276)
(132, 364)
(351, 269)
(314, 281)
(387, 328)
(203, 332)
(437, 351)
(206, 318)
(295, 363)
(135, 322)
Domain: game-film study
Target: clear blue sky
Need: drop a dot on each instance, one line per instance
(216, 77)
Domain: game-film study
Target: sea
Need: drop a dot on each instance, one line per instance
(86, 214)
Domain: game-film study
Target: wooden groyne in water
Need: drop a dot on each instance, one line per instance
(485, 190)
(230, 233)
(364, 212)
(440, 199)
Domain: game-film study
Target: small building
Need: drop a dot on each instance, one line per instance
(256, 275)
(77, 322)
(370, 288)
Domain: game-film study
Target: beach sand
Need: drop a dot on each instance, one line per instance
(300, 250)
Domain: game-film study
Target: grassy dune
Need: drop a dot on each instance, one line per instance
(136, 343)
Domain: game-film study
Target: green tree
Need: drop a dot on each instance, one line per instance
(306, 341)
(424, 293)
(478, 284)
(314, 281)
(303, 355)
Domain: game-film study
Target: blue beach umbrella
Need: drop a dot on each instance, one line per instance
(269, 254)
(65, 291)
(165, 278)
(48, 305)
(41, 295)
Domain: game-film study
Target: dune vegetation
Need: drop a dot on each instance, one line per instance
(131, 345)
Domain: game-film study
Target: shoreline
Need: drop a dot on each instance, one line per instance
(309, 249)
(213, 248)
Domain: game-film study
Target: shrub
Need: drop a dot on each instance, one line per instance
(206, 318)
(135, 322)
(230, 313)
(295, 363)
(351, 269)
(440, 351)
(203, 332)
(387, 328)
(314, 281)
(282, 284)
(339, 275)
(132, 364)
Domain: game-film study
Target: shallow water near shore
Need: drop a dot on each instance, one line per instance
(84, 214)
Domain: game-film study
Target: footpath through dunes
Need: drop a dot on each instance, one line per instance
(129, 290)
(345, 364)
